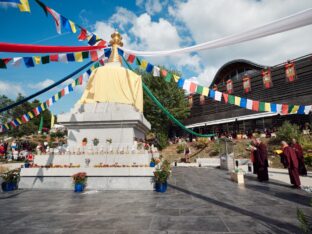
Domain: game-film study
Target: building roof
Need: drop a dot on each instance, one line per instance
(237, 64)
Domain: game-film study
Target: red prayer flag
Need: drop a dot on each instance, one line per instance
(193, 87)
(80, 80)
(83, 34)
(54, 57)
(255, 105)
(63, 92)
(225, 97)
(94, 56)
(131, 58)
(102, 43)
(284, 109)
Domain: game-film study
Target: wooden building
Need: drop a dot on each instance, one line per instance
(217, 117)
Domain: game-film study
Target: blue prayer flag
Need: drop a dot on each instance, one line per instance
(181, 83)
(120, 52)
(107, 53)
(65, 24)
(70, 88)
(243, 102)
(92, 40)
(29, 62)
(273, 107)
(149, 67)
(301, 110)
(89, 72)
(212, 93)
(70, 57)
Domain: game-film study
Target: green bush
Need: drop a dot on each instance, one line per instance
(180, 148)
(162, 140)
(306, 142)
(216, 148)
(308, 161)
(287, 132)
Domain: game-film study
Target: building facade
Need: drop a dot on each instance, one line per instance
(209, 116)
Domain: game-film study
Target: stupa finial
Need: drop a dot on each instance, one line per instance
(115, 42)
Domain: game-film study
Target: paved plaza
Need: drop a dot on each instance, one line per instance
(199, 200)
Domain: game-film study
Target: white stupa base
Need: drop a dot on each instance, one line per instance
(132, 178)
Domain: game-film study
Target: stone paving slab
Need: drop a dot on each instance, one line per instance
(198, 201)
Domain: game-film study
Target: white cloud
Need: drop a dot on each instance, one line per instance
(42, 84)
(6, 5)
(11, 89)
(152, 6)
(209, 20)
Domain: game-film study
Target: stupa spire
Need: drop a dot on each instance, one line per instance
(115, 42)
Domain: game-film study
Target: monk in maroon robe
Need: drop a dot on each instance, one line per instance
(299, 152)
(261, 153)
(290, 161)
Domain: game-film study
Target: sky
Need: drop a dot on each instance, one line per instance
(150, 25)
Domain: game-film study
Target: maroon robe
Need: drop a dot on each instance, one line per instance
(291, 162)
(299, 152)
(262, 162)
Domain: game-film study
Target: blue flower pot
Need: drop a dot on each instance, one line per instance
(161, 187)
(26, 165)
(9, 186)
(79, 188)
(152, 164)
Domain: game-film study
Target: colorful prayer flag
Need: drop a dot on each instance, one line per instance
(37, 59)
(53, 57)
(199, 89)
(267, 106)
(29, 62)
(70, 57)
(94, 56)
(193, 87)
(25, 118)
(231, 99)
(249, 104)
(243, 102)
(72, 26)
(205, 91)
(45, 59)
(78, 57)
(255, 105)
(237, 100)
(225, 97)
(284, 109)
(176, 78)
(24, 6)
(30, 114)
(83, 34)
(218, 96)
(156, 71)
(63, 58)
(92, 40)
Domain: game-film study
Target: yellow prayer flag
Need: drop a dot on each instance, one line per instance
(205, 91)
(144, 64)
(18, 120)
(56, 97)
(73, 84)
(42, 107)
(37, 59)
(92, 68)
(24, 6)
(78, 57)
(237, 101)
(267, 106)
(72, 26)
(30, 114)
(176, 78)
(52, 120)
(294, 109)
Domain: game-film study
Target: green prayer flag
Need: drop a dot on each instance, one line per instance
(199, 89)
(59, 94)
(168, 77)
(138, 62)
(262, 106)
(231, 99)
(41, 124)
(290, 107)
(85, 54)
(45, 59)
(96, 65)
(2, 64)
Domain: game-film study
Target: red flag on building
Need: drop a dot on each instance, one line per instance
(246, 84)
(267, 78)
(290, 72)
(229, 86)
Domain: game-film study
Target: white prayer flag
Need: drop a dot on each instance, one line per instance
(156, 71)
(218, 96)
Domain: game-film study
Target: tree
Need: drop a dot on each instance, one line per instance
(170, 96)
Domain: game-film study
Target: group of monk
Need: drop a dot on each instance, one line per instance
(291, 157)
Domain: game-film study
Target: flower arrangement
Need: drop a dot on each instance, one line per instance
(54, 166)
(109, 140)
(12, 176)
(162, 174)
(80, 178)
(95, 141)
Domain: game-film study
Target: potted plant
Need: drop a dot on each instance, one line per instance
(26, 163)
(80, 181)
(11, 179)
(153, 162)
(95, 141)
(161, 175)
(84, 141)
